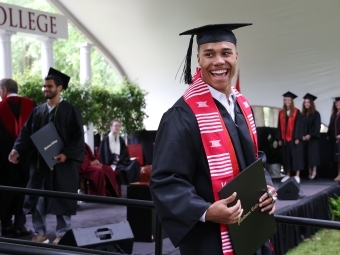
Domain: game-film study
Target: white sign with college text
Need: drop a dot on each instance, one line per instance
(18, 19)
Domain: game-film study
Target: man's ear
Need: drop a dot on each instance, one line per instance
(198, 59)
(60, 88)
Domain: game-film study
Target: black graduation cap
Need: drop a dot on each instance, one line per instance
(209, 34)
(310, 97)
(61, 77)
(336, 99)
(289, 94)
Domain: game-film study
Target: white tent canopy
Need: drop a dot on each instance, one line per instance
(292, 45)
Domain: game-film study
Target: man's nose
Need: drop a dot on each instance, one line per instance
(219, 60)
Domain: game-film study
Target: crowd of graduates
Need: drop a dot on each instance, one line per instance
(298, 134)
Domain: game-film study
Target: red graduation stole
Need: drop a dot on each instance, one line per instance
(216, 140)
(286, 134)
(12, 124)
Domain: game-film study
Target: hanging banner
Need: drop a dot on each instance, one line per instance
(19, 19)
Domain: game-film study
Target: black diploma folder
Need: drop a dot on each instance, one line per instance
(255, 227)
(48, 143)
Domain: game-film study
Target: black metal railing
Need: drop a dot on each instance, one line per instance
(85, 198)
(27, 247)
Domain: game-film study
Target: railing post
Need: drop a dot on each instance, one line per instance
(159, 238)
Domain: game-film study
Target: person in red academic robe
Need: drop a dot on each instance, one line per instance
(14, 111)
(102, 178)
(290, 137)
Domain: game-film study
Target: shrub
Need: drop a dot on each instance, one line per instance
(334, 203)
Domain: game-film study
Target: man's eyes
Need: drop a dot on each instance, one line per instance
(226, 53)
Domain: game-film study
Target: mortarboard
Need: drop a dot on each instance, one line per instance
(310, 97)
(336, 99)
(61, 77)
(289, 94)
(209, 34)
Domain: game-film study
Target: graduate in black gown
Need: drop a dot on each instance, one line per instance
(311, 132)
(290, 133)
(181, 178)
(14, 111)
(113, 152)
(334, 133)
(64, 176)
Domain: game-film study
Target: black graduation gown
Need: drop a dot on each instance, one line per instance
(15, 175)
(129, 170)
(311, 126)
(292, 154)
(65, 176)
(333, 131)
(180, 181)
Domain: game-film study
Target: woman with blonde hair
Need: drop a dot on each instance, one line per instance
(290, 137)
(311, 132)
(334, 133)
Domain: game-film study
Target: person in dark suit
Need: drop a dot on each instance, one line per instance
(14, 112)
(203, 141)
(113, 152)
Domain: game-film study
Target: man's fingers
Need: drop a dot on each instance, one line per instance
(230, 198)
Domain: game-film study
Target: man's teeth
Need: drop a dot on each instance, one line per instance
(219, 71)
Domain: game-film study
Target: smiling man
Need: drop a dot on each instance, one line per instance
(203, 142)
(64, 176)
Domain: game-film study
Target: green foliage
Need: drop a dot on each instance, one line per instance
(325, 241)
(80, 96)
(334, 203)
(124, 101)
(30, 86)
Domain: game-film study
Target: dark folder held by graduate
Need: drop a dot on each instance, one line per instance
(48, 142)
(254, 226)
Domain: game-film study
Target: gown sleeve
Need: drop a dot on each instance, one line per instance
(124, 155)
(298, 129)
(178, 205)
(315, 125)
(75, 146)
(278, 131)
(24, 144)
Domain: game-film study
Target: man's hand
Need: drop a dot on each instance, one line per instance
(297, 141)
(219, 212)
(61, 158)
(307, 137)
(13, 157)
(280, 143)
(266, 201)
(96, 163)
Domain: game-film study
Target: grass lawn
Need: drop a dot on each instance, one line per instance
(325, 241)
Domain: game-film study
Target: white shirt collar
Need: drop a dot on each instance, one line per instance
(50, 108)
(12, 95)
(222, 98)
